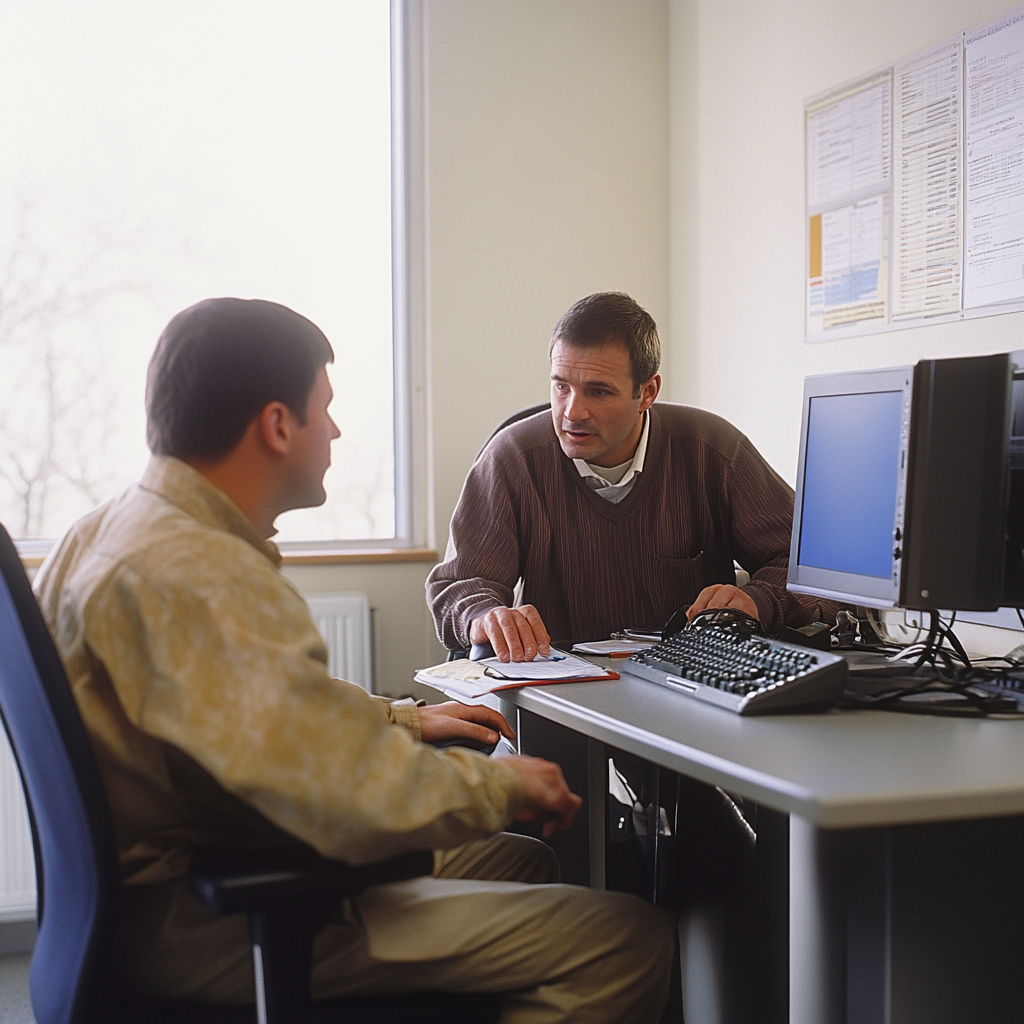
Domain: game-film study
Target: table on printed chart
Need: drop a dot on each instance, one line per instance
(903, 835)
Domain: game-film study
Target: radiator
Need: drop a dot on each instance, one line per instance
(17, 867)
(344, 622)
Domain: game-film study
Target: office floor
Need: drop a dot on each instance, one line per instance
(14, 1004)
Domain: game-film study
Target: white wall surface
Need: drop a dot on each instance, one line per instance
(654, 146)
(547, 167)
(546, 179)
(738, 145)
(739, 75)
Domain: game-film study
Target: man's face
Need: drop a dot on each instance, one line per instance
(597, 417)
(310, 454)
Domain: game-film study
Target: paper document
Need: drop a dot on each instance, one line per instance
(926, 183)
(472, 679)
(615, 648)
(994, 267)
(566, 667)
(849, 140)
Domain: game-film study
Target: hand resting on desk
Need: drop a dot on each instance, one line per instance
(516, 634)
(440, 723)
(722, 595)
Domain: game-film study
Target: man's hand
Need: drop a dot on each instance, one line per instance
(548, 798)
(453, 720)
(516, 634)
(722, 595)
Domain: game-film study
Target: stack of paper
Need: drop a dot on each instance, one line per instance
(473, 679)
(614, 648)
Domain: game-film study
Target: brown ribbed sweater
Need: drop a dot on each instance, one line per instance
(704, 498)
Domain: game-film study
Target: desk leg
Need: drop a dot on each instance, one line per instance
(539, 737)
(915, 924)
(771, 893)
(597, 804)
(817, 925)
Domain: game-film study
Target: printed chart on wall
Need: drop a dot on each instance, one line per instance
(926, 183)
(915, 188)
(848, 195)
(994, 261)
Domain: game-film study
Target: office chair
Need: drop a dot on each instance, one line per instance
(286, 893)
(530, 410)
(462, 652)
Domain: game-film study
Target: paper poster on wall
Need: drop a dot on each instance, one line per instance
(848, 180)
(915, 188)
(848, 266)
(994, 165)
(927, 105)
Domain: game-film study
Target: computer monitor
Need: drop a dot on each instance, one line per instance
(902, 485)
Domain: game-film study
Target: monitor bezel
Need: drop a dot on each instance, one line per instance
(835, 584)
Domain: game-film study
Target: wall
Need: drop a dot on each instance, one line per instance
(403, 635)
(546, 157)
(740, 73)
(740, 146)
(547, 180)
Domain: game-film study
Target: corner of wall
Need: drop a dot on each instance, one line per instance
(683, 349)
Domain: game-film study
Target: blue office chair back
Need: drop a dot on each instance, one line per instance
(72, 830)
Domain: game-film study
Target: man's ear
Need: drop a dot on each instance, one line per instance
(274, 427)
(649, 392)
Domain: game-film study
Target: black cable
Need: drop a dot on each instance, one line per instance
(983, 702)
(928, 651)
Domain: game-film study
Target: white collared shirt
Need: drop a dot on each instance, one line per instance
(610, 489)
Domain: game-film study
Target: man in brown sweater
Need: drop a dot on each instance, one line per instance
(613, 510)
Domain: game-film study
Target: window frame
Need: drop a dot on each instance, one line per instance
(413, 527)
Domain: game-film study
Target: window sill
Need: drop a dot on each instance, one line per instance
(337, 556)
(357, 556)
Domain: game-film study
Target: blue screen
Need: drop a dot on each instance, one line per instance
(851, 472)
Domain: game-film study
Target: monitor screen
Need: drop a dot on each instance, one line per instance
(850, 477)
(850, 483)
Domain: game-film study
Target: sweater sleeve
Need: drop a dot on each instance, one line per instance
(761, 506)
(482, 563)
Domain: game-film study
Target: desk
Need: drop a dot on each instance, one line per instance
(906, 840)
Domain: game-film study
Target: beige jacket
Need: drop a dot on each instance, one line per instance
(196, 663)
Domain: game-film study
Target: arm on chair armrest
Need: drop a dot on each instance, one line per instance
(233, 882)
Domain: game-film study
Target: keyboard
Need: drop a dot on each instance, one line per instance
(750, 675)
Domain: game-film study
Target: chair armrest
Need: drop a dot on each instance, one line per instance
(233, 882)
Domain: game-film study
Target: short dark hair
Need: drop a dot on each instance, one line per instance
(613, 316)
(218, 363)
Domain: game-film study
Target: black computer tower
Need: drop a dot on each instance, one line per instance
(955, 550)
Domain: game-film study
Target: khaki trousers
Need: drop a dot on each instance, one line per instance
(560, 952)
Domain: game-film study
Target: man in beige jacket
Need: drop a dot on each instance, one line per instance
(203, 683)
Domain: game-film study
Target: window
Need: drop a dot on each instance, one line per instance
(157, 154)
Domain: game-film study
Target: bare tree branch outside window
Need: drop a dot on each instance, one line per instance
(62, 403)
(155, 155)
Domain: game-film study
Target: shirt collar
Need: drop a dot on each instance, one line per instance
(180, 484)
(636, 466)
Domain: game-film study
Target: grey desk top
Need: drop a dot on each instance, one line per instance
(841, 769)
